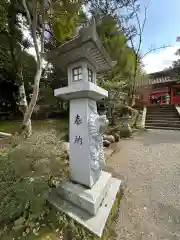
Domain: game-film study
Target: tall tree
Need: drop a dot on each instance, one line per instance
(117, 80)
(13, 56)
(133, 27)
(45, 19)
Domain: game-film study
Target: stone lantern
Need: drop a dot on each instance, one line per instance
(90, 193)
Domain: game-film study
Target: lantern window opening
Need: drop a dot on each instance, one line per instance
(90, 75)
(77, 74)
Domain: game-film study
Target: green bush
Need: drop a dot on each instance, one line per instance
(27, 174)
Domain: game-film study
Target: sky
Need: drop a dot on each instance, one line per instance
(162, 28)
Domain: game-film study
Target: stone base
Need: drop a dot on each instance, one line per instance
(126, 132)
(95, 223)
(87, 199)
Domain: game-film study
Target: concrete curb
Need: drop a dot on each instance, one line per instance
(143, 117)
(177, 108)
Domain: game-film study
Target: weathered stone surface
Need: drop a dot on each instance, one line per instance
(85, 45)
(109, 138)
(143, 120)
(126, 130)
(81, 90)
(106, 143)
(125, 133)
(88, 199)
(3, 134)
(104, 136)
(117, 137)
(86, 143)
(95, 223)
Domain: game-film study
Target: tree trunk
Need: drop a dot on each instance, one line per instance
(109, 105)
(26, 126)
(114, 119)
(33, 24)
(16, 59)
(23, 107)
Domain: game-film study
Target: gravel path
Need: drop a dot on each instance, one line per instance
(149, 165)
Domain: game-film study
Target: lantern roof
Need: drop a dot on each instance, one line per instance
(86, 45)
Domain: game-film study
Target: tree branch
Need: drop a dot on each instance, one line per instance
(27, 12)
(140, 33)
(33, 26)
(154, 49)
(43, 27)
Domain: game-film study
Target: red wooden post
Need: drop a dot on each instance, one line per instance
(172, 95)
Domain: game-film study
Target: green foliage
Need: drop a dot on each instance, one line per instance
(120, 79)
(116, 44)
(63, 26)
(55, 225)
(62, 17)
(176, 66)
(14, 60)
(3, 15)
(27, 174)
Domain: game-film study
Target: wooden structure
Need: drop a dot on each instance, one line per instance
(160, 85)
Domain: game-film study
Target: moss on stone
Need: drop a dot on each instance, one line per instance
(125, 133)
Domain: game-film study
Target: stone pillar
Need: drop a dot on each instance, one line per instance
(89, 184)
(126, 130)
(85, 143)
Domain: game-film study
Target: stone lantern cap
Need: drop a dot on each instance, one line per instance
(85, 45)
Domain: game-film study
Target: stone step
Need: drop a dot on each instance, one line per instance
(175, 121)
(162, 110)
(162, 116)
(163, 128)
(161, 106)
(161, 120)
(173, 125)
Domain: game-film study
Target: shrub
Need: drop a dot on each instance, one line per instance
(27, 174)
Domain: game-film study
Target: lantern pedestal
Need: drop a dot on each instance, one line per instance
(95, 223)
(90, 193)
